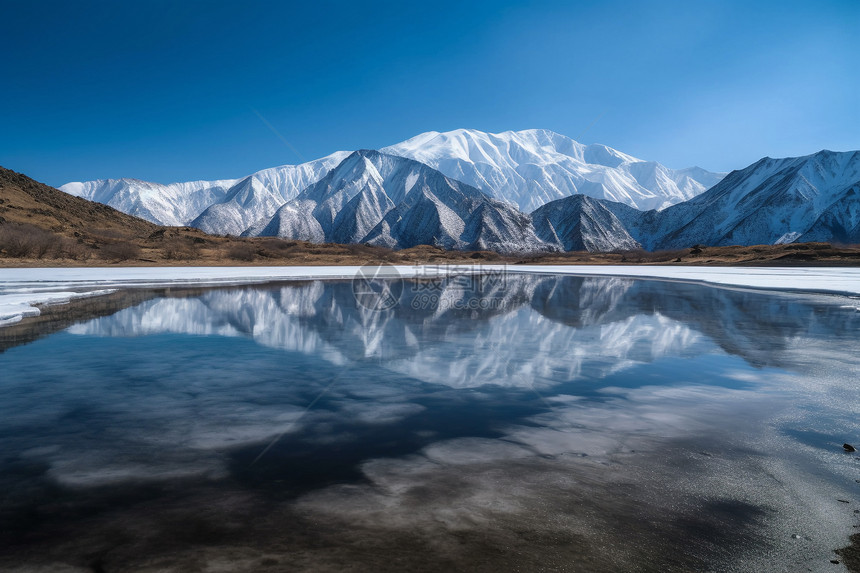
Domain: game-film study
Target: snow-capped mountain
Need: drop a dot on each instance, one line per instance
(175, 204)
(533, 167)
(391, 201)
(795, 199)
(467, 189)
(260, 195)
(776, 201)
(526, 168)
(222, 207)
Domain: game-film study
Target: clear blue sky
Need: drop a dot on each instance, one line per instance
(167, 91)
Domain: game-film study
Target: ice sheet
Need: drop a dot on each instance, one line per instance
(22, 289)
(830, 280)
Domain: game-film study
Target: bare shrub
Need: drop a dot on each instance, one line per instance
(21, 240)
(667, 255)
(643, 256)
(13, 242)
(120, 251)
(241, 252)
(181, 250)
(43, 243)
(277, 248)
(72, 249)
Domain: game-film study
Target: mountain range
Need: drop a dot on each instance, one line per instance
(525, 168)
(467, 189)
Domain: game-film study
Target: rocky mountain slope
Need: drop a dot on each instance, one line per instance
(773, 201)
(174, 205)
(261, 194)
(580, 223)
(391, 201)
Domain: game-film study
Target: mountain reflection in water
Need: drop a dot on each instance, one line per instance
(559, 415)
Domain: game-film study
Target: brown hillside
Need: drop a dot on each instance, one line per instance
(23, 200)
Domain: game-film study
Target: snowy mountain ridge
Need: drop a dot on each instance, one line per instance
(392, 201)
(225, 207)
(536, 166)
(524, 168)
(174, 204)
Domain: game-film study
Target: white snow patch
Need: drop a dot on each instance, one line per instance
(410, 181)
(788, 238)
(14, 306)
(827, 280)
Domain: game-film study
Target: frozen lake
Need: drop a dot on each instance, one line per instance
(494, 422)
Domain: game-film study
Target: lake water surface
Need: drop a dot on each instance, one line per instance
(513, 422)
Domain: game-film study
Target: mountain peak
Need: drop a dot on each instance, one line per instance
(535, 166)
(393, 201)
(581, 223)
(369, 153)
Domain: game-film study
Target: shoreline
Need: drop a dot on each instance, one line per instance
(24, 290)
(838, 281)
